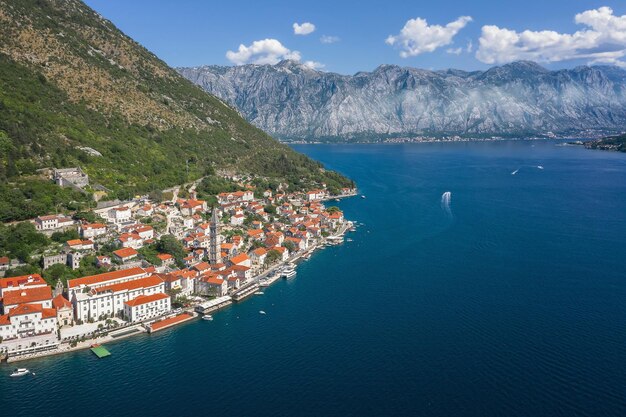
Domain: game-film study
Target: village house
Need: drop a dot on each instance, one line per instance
(258, 256)
(103, 261)
(189, 207)
(237, 219)
(92, 230)
(212, 285)
(145, 210)
(5, 263)
(119, 215)
(166, 259)
(53, 222)
(125, 254)
(235, 197)
(79, 244)
(241, 259)
(188, 280)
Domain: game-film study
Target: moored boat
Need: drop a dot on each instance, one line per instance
(20, 372)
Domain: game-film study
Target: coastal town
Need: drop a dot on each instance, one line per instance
(160, 263)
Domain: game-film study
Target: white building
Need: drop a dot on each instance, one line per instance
(146, 307)
(52, 222)
(120, 214)
(33, 295)
(108, 301)
(92, 230)
(237, 219)
(101, 280)
(28, 328)
(21, 282)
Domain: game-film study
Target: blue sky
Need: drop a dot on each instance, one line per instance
(366, 34)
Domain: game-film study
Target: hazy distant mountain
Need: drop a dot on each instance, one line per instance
(290, 100)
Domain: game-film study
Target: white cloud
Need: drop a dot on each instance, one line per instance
(329, 39)
(303, 29)
(313, 65)
(603, 40)
(470, 47)
(454, 51)
(266, 51)
(417, 36)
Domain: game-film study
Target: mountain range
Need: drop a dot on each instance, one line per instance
(292, 101)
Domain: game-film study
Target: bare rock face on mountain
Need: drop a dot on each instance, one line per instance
(290, 100)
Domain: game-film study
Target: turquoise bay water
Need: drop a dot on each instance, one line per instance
(512, 303)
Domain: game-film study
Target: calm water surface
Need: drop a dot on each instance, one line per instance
(510, 301)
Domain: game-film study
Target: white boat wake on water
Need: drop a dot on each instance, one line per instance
(446, 198)
(515, 172)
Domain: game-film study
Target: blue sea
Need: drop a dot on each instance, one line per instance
(505, 298)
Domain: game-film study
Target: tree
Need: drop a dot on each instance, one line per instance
(290, 245)
(333, 209)
(57, 272)
(272, 257)
(65, 235)
(169, 244)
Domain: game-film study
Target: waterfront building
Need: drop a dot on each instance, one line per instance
(212, 285)
(145, 307)
(101, 280)
(108, 301)
(28, 328)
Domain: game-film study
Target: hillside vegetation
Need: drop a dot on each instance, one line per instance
(611, 143)
(69, 79)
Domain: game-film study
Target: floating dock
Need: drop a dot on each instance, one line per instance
(100, 351)
(169, 322)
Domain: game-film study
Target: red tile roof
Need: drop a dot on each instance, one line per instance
(36, 279)
(147, 282)
(239, 258)
(144, 299)
(26, 295)
(60, 302)
(107, 276)
(125, 253)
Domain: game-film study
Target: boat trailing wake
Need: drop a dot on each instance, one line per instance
(515, 172)
(446, 198)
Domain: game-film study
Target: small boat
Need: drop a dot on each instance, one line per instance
(20, 372)
(337, 200)
(362, 196)
(540, 166)
(259, 293)
(262, 312)
(207, 317)
(264, 283)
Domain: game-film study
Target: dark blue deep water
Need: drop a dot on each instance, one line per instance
(510, 303)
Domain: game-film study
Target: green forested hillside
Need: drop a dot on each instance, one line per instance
(69, 79)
